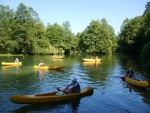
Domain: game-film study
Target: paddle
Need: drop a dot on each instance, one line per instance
(39, 66)
(58, 89)
(123, 78)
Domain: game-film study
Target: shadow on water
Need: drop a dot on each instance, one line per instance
(45, 72)
(71, 106)
(144, 92)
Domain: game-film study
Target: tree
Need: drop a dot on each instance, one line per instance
(27, 31)
(145, 54)
(129, 37)
(70, 40)
(97, 38)
(147, 8)
(145, 48)
(6, 24)
(55, 34)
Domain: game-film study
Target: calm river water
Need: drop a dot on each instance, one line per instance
(111, 94)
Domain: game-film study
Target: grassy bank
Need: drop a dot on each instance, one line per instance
(11, 55)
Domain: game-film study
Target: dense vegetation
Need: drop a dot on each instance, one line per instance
(22, 32)
(134, 37)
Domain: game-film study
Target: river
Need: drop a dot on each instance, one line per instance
(111, 94)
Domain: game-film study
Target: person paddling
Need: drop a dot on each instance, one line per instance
(73, 87)
(16, 60)
(41, 63)
(130, 73)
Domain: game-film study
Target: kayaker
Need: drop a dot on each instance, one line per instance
(73, 87)
(96, 58)
(16, 60)
(41, 63)
(130, 73)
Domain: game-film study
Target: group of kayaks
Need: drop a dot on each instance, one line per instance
(54, 96)
(138, 83)
(47, 97)
(10, 64)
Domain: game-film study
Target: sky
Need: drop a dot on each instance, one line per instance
(80, 13)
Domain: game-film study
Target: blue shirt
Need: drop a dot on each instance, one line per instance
(76, 86)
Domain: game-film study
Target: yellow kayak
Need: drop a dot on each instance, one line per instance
(49, 97)
(90, 63)
(57, 57)
(7, 67)
(11, 63)
(49, 67)
(57, 60)
(136, 82)
(91, 60)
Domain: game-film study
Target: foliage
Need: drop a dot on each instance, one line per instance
(61, 37)
(146, 51)
(98, 37)
(129, 36)
(135, 34)
(6, 24)
(22, 32)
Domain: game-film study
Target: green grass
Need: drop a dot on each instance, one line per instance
(11, 54)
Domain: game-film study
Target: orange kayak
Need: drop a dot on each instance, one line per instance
(91, 60)
(136, 82)
(11, 63)
(49, 97)
(49, 67)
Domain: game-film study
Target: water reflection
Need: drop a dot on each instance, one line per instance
(146, 96)
(70, 106)
(91, 65)
(41, 72)
(144, 92)
(57, 60)
(109, 88)
(9, 67)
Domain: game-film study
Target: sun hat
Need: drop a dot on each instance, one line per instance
(74, 79)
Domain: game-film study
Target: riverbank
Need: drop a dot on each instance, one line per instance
(11, 55)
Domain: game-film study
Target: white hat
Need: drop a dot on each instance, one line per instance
(130, 68)
(74, 79)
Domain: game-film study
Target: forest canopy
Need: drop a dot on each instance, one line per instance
(22, 32)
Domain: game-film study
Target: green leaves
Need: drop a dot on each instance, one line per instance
(129, 36)
(98, 37)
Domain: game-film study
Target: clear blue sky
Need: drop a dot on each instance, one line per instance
(81, 12)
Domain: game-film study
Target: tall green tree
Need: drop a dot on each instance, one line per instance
(28, 32)
(55, 34)
(97, 38)
(70, 40)
(130, 42)
(24, 29)
(6, 23)
(145, 52)
(61, 37)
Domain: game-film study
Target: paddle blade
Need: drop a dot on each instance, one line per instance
(58, 89)
(123, 78)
